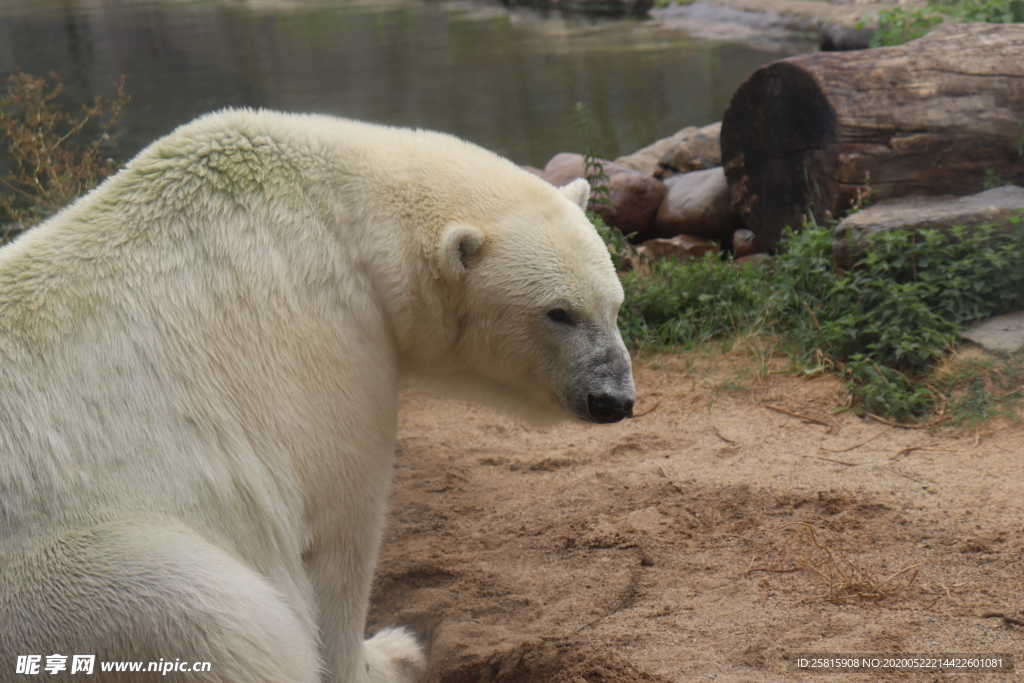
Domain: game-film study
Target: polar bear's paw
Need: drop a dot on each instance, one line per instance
(394, 656)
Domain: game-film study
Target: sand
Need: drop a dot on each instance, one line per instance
(743, 519)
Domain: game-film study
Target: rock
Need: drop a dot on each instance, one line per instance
(646, 160)
(696, 203)
(757, 258)
(563, 168)
(634, 198)
(604, 8)
(680, 247)
(1002, 334)
(692, 148)
(997, 207)
(836, 38)
(744, 243)
(757, 23)
(698, 149)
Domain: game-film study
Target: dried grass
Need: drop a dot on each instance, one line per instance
(54, 155)
(845, 578)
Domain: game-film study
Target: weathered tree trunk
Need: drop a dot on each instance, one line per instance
(940, 115)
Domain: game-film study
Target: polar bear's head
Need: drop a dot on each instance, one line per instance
(533, 300)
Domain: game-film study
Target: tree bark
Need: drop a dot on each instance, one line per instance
(810, 135)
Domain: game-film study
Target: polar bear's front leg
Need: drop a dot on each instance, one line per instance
(390, 656)
(394, 656)
(346, 533)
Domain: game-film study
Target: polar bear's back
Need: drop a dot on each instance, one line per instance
(106, 308)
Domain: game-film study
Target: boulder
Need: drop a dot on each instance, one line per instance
(760, 22)
(694, 149)
(1002, 206)
(744, 243)
(691, 149)
(696, 203)
(601, 8)
(564, 168)
(837, 38)
(646, 160)
(633, 198)
(758, 258)
(680, 247)
(1001, 334)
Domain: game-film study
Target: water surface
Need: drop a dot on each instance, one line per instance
(505, 78)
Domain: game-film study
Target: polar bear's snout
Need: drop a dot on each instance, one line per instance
(609, 407)
(602, 388)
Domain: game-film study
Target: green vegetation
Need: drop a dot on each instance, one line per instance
(668, 3)
(980, 388)
(899, 25)
(884, 324)
(53, 156)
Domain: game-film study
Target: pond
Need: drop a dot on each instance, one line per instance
(506, 78)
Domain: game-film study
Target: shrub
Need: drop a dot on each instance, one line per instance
(54, 156)
(883, 324)
(888, 320)
(898, 25)
(684, 304)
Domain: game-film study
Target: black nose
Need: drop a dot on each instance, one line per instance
(609, 408)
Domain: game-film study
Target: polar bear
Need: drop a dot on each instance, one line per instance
(199, 378)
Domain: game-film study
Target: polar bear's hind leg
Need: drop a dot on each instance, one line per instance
(152, 591)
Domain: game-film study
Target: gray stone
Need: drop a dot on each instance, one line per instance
(1002, 334)
(1001, 207)
(646, 159)
(695, 151)
(710, 20)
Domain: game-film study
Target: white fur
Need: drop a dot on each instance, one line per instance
(199, 367)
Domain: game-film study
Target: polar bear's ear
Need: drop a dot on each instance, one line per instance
(459, 245)
(578, 192)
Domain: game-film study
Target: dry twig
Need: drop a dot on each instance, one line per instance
(648, 411)
(1007, 620)
(853, 447)
(805, 418)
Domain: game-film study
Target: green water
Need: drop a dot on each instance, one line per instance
(505, 78)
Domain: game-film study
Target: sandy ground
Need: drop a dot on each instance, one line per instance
(738, 522)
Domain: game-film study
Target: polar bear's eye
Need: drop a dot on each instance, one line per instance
(560, 315)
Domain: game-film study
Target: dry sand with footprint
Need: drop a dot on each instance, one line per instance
(739, 521)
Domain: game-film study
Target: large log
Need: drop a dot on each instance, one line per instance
(806, 136)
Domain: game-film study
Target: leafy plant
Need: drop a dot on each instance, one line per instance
(887, 321)
(987, 11)
(618, 246)
(898, 25)
(600, 194)
(883, 325)
(683, 304)
(593, 167)
(54, 155)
